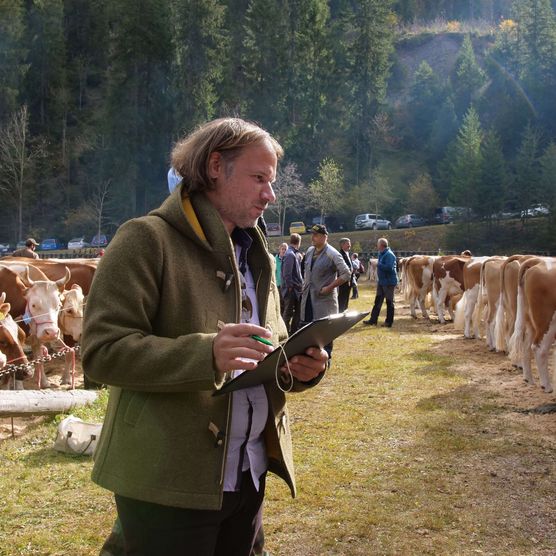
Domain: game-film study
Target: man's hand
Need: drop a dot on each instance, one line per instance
(233, 348)
(307, 367)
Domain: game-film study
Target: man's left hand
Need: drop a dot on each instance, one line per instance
(308, 366)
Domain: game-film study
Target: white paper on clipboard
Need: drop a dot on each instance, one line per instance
(315, 334)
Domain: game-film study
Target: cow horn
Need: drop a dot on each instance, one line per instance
(2, 298)
(63, 281)
(26, 278)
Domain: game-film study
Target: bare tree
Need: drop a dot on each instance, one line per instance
(290, 190)
(98, 203)
(17, 155)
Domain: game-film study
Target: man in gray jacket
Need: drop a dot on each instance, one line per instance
(325, 270)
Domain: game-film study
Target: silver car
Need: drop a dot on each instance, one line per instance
(370, 221)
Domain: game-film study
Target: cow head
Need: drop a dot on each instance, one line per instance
(43, 305)
(71, 314)
(12, 339)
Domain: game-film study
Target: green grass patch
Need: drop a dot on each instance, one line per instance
(397, 452)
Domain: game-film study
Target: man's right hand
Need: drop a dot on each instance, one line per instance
(234, 349)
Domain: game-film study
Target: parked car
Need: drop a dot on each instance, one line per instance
(369, 221)
(77, 243)
(410, 221)
(99, 240)
(5, 249)
(447, 215)
(50, 244)
(273, 229)
(537, 210)
(297, 228)
(20, 244)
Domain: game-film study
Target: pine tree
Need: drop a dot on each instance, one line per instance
(425, 98)
(12, 55)
(370, 34)
(200, 50)
(467, 77)
(465, 168)
(547, 193)
(491, 190)
(526, 185)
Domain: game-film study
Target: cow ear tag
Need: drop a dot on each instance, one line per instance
(2, 316)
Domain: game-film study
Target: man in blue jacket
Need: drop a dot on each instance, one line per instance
(387, 280)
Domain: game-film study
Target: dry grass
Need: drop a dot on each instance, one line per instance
(413, 444)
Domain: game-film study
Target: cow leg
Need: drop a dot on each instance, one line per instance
(412, 304)
(422, 305)
(440, 302)
(527, 354)
(541, 349)
(40, 350)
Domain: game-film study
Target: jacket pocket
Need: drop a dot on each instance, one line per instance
(135, 408)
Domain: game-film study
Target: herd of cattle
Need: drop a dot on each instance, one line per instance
(41, 304)
(513, 298)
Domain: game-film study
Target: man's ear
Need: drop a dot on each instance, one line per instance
(215, 165)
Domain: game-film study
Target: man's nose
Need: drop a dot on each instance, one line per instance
(268, 194)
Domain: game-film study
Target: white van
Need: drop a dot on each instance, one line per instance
(369, 221)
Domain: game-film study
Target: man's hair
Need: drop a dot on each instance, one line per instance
(227, 136)
(344, 240)
(383, 241)
(295, 239)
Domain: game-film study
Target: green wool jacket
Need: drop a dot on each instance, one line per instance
(158, 298)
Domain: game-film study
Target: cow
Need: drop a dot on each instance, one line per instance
(506, 311)
(490, 286)
(82, 270)
(38, 303)
(465, 319)
(417, 282)
(372, 269)
(535, 323)
(71, 325)
(12, 339)
(448, 283)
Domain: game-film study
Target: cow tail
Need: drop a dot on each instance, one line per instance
(515, 346)
(500, 320)
(459, 318)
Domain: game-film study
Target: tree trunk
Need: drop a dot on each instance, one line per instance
(22, 403)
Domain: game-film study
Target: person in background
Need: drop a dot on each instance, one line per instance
(345, 288)
(357, 270)
(325, 270)
(27, 251)
(387, 281)
(278, 259)
(292, 283)
(188, 469)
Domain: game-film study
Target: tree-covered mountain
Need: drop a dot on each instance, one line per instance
(395, 95)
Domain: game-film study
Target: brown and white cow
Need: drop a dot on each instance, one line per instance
(466, 317)
(82, 270)
(12, 339)
(71, 325)
(448, 283)
(506, 312)
(417, 282)
(38, 303)
(535, 325)
(490, 288)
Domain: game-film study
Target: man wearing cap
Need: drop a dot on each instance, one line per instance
(325, 270)
(27, 251)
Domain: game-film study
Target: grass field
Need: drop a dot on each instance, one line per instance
(416, 442)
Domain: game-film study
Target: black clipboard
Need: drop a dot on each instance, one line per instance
(317, 333)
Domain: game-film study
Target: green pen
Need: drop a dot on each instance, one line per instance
(262, 340)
